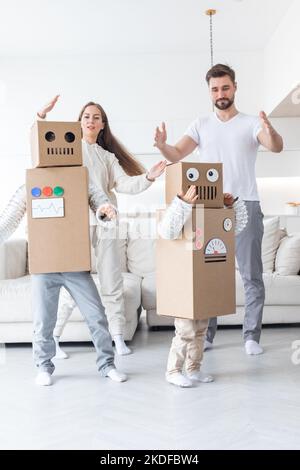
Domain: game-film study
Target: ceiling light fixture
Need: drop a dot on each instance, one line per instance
(211, 12)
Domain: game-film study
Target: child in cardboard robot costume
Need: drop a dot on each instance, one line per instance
(195, 267)
(57, 197)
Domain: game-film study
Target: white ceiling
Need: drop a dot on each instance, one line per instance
(52, 27)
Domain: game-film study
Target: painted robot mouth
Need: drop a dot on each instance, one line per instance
(59, 151)
(206, 193)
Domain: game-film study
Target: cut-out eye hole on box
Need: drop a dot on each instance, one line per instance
(69, 137)
(50, 136)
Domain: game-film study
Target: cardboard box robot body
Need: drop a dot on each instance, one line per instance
(57, 200)
(196, 273)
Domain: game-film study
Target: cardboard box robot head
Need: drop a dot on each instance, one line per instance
(56, 144)
(207, 177)
(57, 200)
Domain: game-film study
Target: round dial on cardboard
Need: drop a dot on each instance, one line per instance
(215, 247)
(227, 224)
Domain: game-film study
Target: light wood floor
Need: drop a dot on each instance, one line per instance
(254, 402)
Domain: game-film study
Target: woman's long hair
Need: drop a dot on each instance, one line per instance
(109, 142)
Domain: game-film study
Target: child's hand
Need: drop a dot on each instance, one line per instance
(107, 210)
(228, 199)
(190, 196)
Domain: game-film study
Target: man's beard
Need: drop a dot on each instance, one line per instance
(224, 103)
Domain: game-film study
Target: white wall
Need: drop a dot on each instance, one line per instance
(281, 58)
(138, 92)
(279, 175)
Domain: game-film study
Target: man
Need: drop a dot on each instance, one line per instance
(233, 138)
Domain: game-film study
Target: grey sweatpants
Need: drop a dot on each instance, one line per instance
(248, 255)
(111, 284)
(45, 295)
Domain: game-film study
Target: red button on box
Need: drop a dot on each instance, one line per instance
(47, 191)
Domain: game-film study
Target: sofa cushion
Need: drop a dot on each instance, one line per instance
(282, 233)
(149, 292)
(287, 261)
(158, 320)
(13, 259)
(15, 300)
(280, 290)
(270, 243)
(284, 290)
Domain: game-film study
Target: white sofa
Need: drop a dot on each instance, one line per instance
(281, 262)
(281, 259)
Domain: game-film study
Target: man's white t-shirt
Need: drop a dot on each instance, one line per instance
(233, 143)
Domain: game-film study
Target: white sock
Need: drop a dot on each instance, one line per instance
(59, 354)
(117, 376)
(199, 376)
(43, 378)
(120, 345)
(179, 379)
(207, 345)
(253, 348)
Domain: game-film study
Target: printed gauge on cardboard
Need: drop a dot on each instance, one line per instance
(215, 250)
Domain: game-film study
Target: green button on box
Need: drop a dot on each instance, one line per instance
(58, 191)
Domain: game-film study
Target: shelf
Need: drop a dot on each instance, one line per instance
(289, 106)
(282, 215)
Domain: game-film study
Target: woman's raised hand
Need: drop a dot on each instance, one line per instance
(157, 170)
(42, 113)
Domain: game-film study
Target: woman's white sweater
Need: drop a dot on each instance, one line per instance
(106, 172)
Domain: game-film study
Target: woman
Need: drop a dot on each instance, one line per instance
(110, 167)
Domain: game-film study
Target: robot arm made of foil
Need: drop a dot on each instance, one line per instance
(13, 213)
(175, 217)
(241, 216)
